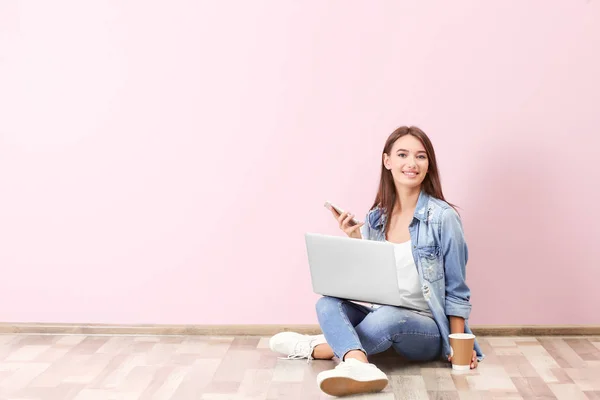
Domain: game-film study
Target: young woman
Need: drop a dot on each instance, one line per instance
(411, 212)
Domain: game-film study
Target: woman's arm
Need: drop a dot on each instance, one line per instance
(457, 324)
(458, 295)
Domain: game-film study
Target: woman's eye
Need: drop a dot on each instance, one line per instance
(421, 157)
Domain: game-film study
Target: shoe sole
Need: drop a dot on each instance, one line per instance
(337, 386)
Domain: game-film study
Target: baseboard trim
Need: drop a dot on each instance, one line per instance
(536, 330)
(267, 330)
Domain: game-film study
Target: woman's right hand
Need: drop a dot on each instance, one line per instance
(343, 220)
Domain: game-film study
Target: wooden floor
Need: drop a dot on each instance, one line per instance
(200, 367)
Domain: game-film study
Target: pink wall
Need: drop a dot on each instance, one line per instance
(161, 163)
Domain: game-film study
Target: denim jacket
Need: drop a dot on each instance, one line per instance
(440, 254)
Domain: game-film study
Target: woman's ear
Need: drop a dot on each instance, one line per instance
(386, 161)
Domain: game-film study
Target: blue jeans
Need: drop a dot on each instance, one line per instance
(350, 326)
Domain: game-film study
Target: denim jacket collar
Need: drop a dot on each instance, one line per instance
(421, 211)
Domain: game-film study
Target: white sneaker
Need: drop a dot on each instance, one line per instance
(352, 377)
(295, 345)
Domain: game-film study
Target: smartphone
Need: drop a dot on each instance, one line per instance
(329, 206)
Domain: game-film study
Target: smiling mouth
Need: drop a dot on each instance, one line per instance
(411, 174)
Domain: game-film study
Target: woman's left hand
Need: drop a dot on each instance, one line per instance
(473, 360)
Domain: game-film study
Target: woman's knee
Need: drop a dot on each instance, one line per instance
(327, 304)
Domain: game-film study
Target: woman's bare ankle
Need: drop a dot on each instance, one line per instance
(357, 355)
(322, 352)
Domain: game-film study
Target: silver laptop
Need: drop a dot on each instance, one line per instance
(353, 269)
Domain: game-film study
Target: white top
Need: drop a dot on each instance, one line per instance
(408, 278)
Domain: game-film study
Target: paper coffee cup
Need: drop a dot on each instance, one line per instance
(461, 350)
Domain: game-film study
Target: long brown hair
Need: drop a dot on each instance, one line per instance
(386, 194)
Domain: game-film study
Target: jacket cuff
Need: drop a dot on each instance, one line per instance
(458, 308)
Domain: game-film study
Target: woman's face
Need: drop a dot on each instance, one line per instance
(407, 161)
